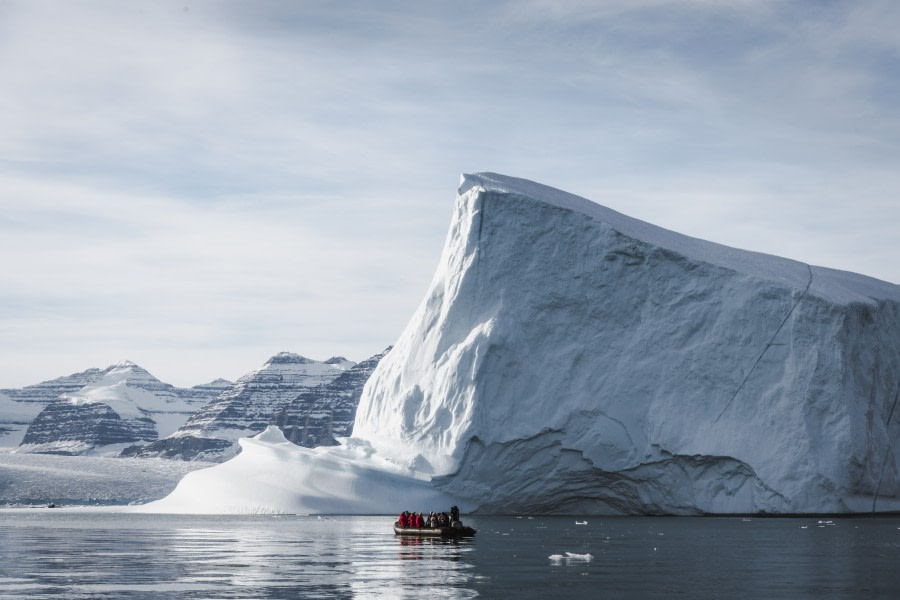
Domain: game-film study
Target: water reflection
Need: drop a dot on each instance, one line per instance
(119, 556)
(54, 555)
(420, 567)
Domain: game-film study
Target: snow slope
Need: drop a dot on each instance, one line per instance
(570, 359)
(273, 475)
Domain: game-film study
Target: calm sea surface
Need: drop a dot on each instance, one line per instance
(56, 554)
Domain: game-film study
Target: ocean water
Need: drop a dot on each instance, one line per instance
(62, 554)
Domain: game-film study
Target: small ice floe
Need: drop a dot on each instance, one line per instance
(746, 520)
(581, 522)
(804, 527)
(571, 557)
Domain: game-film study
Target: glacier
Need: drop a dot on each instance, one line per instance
(569, 359)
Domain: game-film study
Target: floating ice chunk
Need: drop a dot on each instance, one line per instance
(573, 556)
(570, 557)
(581, 522)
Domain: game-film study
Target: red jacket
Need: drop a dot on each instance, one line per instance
(402, 520)
(420, 522)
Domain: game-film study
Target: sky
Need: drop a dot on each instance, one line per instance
(196, 186)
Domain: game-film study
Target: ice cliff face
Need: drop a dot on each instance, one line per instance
(120, 404)
(245, 409)
(319, 415)
(570, 359)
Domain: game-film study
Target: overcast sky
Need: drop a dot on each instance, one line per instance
(196, 186)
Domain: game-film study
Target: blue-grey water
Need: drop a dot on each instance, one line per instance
(55, 554)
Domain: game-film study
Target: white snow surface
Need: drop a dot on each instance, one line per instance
(569, 359)
(272, 475)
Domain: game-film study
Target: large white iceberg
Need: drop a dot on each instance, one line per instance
(570, 359)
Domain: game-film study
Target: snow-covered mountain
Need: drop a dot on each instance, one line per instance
(570, 359)
(15, 416)
(320, 414)
(19, 406)
(47, 391)
(245, 409)
(121, 404)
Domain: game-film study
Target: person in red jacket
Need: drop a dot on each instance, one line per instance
(403, 519)
(420, 522)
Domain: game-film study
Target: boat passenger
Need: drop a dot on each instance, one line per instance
(403, 520)
(420, 522)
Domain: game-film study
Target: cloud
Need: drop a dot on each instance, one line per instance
(226, 180)
(103, 268)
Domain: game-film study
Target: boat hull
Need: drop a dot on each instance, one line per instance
(436, 532)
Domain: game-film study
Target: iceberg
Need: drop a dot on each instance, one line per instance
(568, 359)
(274, 476)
